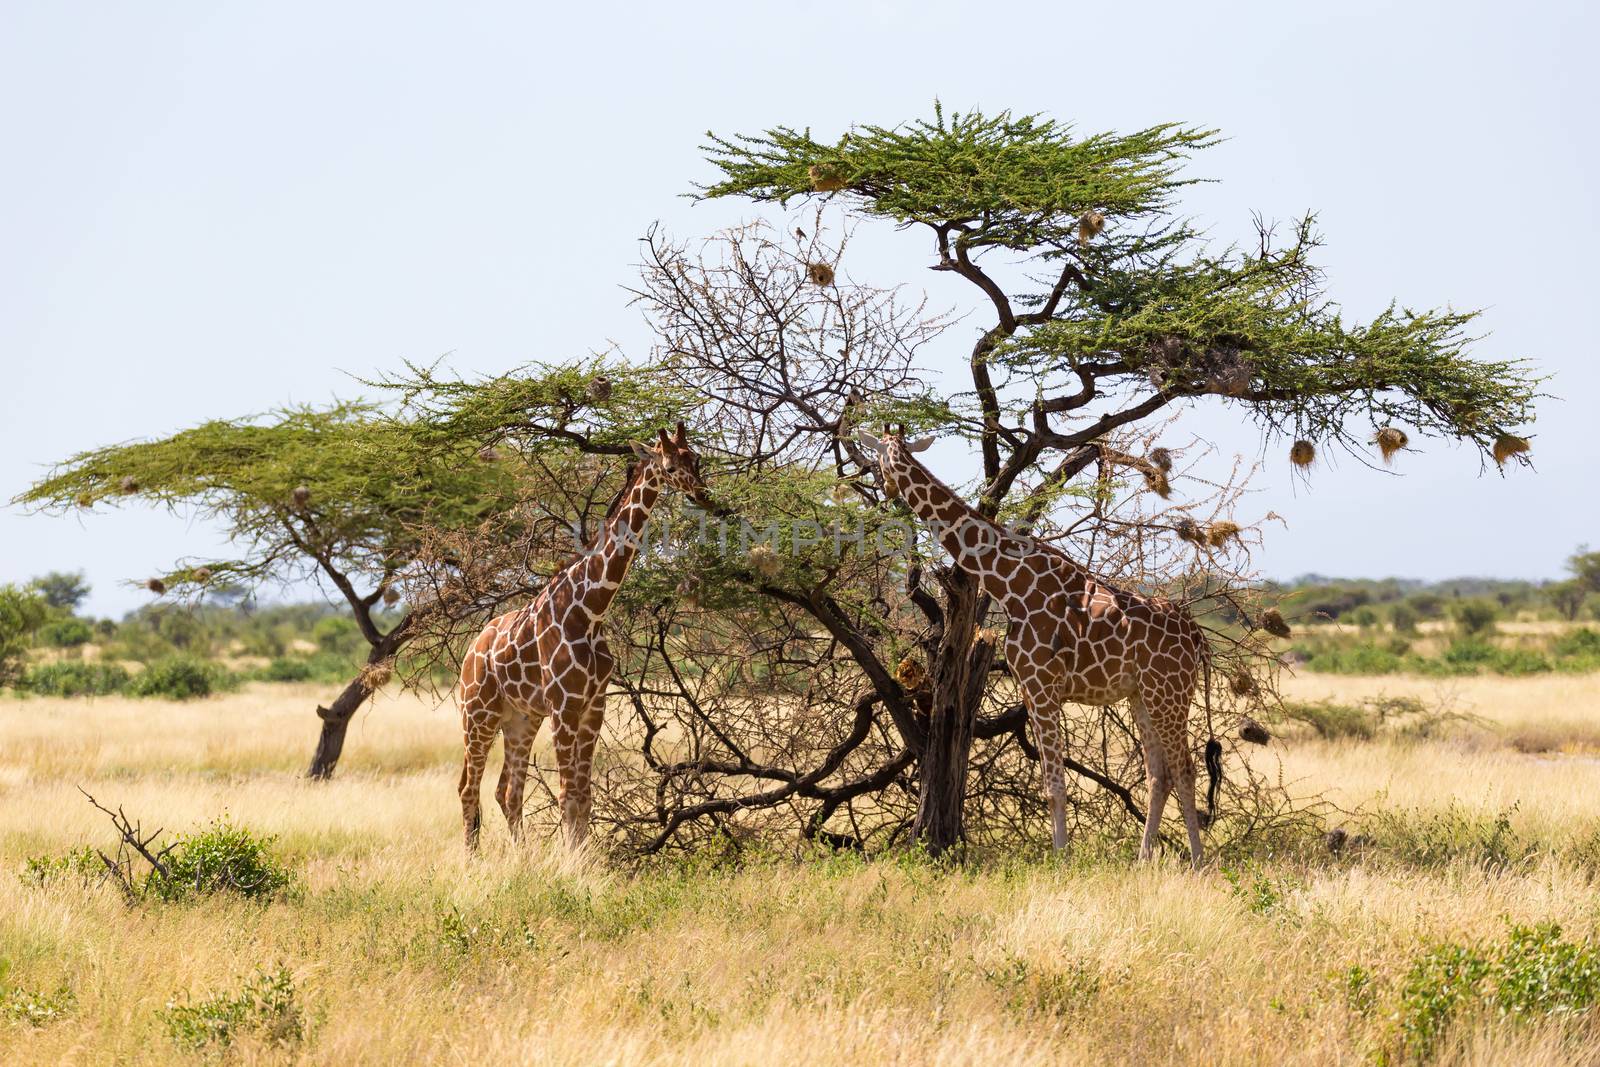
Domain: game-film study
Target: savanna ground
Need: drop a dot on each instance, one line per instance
(393, 947)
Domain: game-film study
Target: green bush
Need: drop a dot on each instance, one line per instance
(73, 678)
(180, 678)
(1475, 616)
(83, 864)
(21, 613)
(286, 669)
(321, 667)
(222, 858)
(34, 1009)
(1454, 835)
(1333, 721)
(66, 633)
(1582, 642)
(1516, 661)
(1403, 618)
(1536, 974)
(267, 1006)
(1364, 658)
(338, 633)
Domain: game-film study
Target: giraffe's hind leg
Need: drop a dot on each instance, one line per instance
(519, 727)
(1157, 771)
(1164, 721)
(480, 721)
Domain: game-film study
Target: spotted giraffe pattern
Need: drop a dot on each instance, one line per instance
(550, 659)
(1073, 637)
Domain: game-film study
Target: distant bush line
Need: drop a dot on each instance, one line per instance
(1574, 652)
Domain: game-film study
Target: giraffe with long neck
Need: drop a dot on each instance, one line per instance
(1073, 637)
(550, 659)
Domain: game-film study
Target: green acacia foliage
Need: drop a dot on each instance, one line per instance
(1136, 302)
(365, 480)
(21, 613)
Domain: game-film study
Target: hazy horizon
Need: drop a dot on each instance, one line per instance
(214, 212)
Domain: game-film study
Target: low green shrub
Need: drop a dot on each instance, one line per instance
(82, 863)
(221, 858)
(1363, 658)
(181, 678)
(72, 678)
(1454, 835)
(31, 1008)
(1333, 721)
(266, 1006)
(65, 633)
(1537, 973)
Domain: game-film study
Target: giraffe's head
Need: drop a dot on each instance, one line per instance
(893, 452)
(679, 464)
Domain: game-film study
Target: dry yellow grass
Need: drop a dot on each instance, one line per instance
(406, 952)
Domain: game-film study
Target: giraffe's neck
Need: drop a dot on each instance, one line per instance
(605, 565)
(981, 548)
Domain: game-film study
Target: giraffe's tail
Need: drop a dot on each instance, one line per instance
(1213, 749)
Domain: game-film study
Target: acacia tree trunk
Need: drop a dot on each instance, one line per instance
(960, 669)
(336, 719)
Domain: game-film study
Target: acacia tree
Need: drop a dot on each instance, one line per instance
(1107, 310)
(331, 494)
(1107, 315)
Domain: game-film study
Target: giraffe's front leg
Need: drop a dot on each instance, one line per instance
(1044, 712)
(576, 730)
(519, 729)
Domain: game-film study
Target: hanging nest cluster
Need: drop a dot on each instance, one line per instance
(1390, 440)
(489, 454)
(599, 389)
(300, 498)
(819, 274)
(1089, 226)
(1302, 453)
(1242, 684)
(1221, 368)
(1155, 480)
(1215, 535)
(156, 586)
(826, 177)
(1507, 445)
(129, 484)
(1253, 732)
(85, 500)
(374, 676)
(764, 562)
(1273, 622)
(688, 593)
(1161, 458)
(1219, 534)
(202, 575)
(391, 595)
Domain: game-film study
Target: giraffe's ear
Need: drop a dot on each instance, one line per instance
(681, 438)
(920, 445)
(869, 441)
(666, 442)
(639, 449)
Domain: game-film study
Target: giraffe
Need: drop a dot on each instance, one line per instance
(550, 658)
(1074, 637)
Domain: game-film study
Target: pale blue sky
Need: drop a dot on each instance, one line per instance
(212, 209)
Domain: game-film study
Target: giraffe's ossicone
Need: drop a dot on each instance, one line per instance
(1073, 638)
(549, 660)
